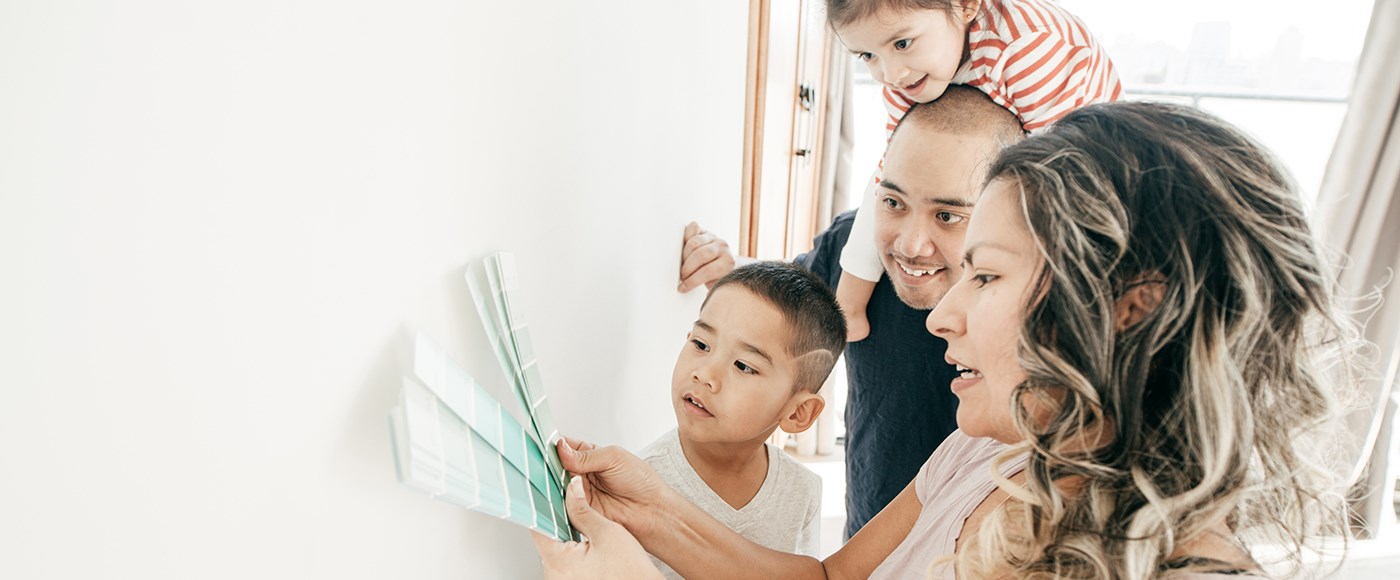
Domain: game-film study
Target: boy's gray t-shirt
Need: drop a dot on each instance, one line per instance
(784, 515)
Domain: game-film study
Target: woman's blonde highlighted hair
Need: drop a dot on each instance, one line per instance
(1208, 410)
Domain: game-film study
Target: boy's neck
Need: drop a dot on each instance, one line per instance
(734, 471)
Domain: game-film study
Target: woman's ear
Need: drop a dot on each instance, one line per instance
(1141, 298)
(801, 412)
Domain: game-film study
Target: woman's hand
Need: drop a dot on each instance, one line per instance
(621, 486)
(610, 551)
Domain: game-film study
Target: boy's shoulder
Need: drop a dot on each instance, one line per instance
(793, 475)
(791, 464)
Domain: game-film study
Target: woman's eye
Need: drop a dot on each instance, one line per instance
(700, 346)
(902, 43)
(982, 279)
(744, 367)
(949, 217)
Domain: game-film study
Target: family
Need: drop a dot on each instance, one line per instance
(1097, 344)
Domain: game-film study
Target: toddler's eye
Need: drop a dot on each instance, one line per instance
(902, 43)
(744, 367)
(700, 346)
(865, 56)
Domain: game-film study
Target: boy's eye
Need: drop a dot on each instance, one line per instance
(700, 346)
(902, 43)
(744, 367)
(949, 217)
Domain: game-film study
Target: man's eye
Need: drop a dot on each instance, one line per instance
(744, 367)
(890, 202)
(949, 217)
(902, 43)
(700, 346)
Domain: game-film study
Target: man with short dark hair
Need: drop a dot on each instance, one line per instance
(899, 407)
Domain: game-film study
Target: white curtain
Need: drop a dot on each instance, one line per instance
(1359, 216)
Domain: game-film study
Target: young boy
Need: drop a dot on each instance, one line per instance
(768, 335)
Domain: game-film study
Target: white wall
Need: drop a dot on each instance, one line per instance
(220, 222)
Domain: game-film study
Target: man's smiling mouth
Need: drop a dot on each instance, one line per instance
(917, 273)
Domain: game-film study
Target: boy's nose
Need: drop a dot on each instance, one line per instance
(704, 375)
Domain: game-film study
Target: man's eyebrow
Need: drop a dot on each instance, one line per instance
(948, 201)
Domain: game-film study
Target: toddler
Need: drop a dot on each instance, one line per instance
(1030, 56)
(767, 337)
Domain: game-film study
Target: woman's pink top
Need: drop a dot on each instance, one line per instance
(954, 480)
(951, 483)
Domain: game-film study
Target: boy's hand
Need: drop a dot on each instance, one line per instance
(620, 485)
(610, 551)
(704, 258)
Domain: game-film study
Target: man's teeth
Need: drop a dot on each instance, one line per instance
(916, 273)
(968, 373)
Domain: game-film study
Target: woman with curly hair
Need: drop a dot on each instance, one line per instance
(1150, 355)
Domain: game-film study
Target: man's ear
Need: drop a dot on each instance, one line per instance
(801, 412)
(1140, 300)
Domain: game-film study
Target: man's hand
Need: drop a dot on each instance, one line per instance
(610, 551)
(704, 258)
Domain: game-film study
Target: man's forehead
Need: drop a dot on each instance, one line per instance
(931, 163)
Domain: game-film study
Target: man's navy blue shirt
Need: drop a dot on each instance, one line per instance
(899, 407)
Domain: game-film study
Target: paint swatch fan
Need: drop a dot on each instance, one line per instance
(454, 441)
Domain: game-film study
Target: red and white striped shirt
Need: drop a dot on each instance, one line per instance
(1033, 58)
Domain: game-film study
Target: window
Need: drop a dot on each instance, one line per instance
(1281, 70)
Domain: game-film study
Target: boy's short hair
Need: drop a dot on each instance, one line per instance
(818, 329)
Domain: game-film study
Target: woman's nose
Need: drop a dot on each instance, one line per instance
(948, 318)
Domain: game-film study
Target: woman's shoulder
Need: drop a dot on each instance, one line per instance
(961, 459)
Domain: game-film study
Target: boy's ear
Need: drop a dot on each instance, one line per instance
(801, 412)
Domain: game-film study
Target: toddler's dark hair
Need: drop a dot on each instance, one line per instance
(843, 12)
(818, 329)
